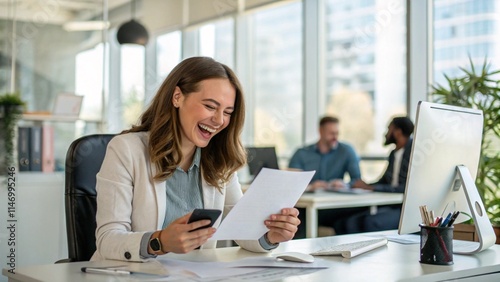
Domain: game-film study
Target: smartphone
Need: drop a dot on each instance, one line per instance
(199, 214)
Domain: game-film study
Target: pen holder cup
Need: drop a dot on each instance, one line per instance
(436, 245)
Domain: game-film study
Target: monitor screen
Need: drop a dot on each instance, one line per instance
(445, 137)
(259, 157)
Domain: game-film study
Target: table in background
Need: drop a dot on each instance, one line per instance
(394, 262)
(318, 200)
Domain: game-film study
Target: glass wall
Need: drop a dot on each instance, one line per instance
(44, 52)
(365, 72)
(362, 63)
(277, 74)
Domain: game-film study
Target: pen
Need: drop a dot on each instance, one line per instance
(446, 220)
(438, 220)
(111, 271)
(453, 217)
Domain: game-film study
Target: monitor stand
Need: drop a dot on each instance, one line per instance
(484, 229)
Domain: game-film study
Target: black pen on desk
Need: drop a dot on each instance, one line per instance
(453, 218)
(100, 270)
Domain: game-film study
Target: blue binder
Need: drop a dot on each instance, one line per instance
(36, 148)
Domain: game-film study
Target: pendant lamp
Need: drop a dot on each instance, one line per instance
(132, 32)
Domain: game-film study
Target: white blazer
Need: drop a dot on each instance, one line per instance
(130, 203)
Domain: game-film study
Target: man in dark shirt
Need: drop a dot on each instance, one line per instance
(393, 180)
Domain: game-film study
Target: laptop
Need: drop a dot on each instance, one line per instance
(259, 157)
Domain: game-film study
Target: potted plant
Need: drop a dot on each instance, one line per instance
(480, 89)
(11, 109)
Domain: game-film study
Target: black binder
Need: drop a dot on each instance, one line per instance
(23, 148)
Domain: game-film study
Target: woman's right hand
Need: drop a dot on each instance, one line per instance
(177, 238)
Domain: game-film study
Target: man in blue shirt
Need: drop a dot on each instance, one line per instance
(332, 160)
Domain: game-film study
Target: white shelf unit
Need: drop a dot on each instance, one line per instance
(66, 130)
(53, 118)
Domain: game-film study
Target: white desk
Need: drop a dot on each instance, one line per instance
(394, 262)
(313, 202)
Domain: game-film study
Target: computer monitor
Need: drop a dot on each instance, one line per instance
(259, 157)
(443, 165)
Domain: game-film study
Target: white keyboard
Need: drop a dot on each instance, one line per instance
(350, 250)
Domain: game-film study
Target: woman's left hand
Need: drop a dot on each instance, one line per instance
(282, 227)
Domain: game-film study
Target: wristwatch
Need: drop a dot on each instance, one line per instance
(155, 244)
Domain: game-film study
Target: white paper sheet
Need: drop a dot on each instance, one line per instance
(206, 270)
(271, 191)
(203, 269)
(273, 262)
(404, 239)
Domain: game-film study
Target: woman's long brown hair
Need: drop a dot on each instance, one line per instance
(224, 154)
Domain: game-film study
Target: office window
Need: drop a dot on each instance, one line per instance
(478, 40)
(168, 53)
(365, 69)
(132, 83)
(216, 40)
(276, 66)
(365, 72)
(89, 71)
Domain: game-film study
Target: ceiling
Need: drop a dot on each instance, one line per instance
(55, 11)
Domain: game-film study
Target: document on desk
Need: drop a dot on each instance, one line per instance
(245, 266)
(271, 191)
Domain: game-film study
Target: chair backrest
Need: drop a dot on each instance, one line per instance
(83, 162)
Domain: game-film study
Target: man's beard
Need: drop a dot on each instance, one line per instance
(390, 140)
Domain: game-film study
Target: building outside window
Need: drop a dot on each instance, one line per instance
(365, 72)
(277, 71)
(464, 29)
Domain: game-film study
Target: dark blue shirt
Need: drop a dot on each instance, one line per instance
(332, 165)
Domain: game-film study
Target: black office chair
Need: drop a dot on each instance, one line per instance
(83, 162)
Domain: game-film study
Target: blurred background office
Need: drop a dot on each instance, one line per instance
(364, 61)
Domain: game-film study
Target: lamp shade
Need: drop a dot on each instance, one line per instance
(132, 32)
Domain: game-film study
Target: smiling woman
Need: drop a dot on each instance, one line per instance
(204, 113)
(182, 155)
(196, 88)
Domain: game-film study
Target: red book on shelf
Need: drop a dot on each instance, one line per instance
(48, 162)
